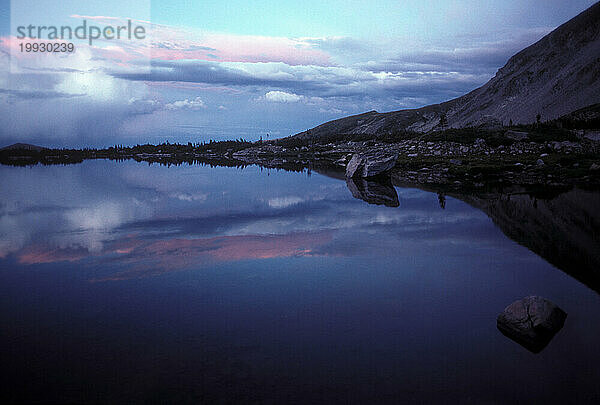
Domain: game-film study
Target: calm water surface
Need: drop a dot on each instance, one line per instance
(123, 282)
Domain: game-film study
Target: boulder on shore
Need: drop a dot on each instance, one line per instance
(370, 165)
(532, 322)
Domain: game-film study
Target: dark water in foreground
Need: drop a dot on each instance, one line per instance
(125, 283)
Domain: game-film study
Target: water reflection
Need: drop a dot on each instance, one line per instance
(143, 222)
(189, 216)
(560, 225)
(194, 280)
(563, 229)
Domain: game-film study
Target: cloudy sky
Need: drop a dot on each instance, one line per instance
(231, 69)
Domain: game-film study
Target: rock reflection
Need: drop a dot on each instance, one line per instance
(379, 192)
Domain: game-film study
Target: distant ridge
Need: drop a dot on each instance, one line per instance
(556, 76)
(23, 146)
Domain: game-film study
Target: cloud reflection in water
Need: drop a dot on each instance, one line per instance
(141, 220)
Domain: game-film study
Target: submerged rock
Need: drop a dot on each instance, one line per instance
(532, 322)
(370, 165)
(379, 193)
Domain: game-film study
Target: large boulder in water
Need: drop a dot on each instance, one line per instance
(371, 164)
(532, 322)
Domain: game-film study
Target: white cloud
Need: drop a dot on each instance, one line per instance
(188, 197)
(282, 97)
(194, 104)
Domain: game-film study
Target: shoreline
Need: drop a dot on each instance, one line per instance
(472, 164)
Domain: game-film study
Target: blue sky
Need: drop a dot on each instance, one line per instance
(230, 69)
(352, 18)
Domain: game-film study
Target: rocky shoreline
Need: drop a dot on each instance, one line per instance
(455, 163)
(450, 163)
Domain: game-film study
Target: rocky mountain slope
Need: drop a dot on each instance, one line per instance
(553, 77)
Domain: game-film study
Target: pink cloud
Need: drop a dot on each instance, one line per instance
(41, 255)
(236, 48)
(148, 258)
(174, 43)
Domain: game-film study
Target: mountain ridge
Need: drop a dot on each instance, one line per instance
(553, 77)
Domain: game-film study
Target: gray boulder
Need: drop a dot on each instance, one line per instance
(370, 164)
(354, 166)
(532, 322)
